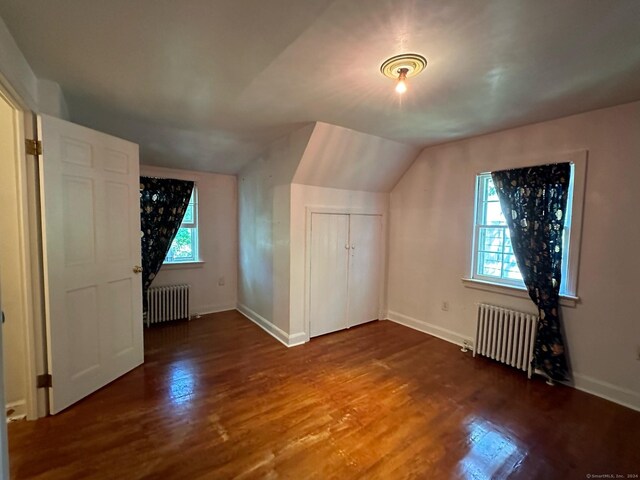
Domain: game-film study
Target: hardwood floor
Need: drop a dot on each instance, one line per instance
(219, 398)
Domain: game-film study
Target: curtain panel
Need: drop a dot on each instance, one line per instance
(163, 203)
(533, 201)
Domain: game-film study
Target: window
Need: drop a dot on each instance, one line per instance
(184, 248)
(493, 257)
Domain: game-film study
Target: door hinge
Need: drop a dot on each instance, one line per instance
(44, 381)
(33, 147)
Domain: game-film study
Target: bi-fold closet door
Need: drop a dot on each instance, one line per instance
(345, 269)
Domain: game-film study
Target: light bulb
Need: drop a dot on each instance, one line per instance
(401, 86)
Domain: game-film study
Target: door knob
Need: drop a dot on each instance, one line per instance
(137, 269)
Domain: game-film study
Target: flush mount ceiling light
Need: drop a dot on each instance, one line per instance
(403, 66)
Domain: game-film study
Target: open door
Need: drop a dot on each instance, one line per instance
(91, 248)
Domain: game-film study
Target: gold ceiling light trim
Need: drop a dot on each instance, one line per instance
(412, 62)
(402, 67)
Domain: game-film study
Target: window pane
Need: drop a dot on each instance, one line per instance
(511, 269)
(490, 239)
(182, 249)
(508, 247)
(493, 214)
(494, 251)
(489, 264)
(188, 214)
(491, 195)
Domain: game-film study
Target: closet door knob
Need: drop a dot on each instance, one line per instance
(137, 269)
(346, 246)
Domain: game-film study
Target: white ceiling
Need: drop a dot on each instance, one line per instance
(207, 84)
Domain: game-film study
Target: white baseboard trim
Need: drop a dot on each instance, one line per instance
(206, 309)
(584, 383)
(296, 339)
(276, 332)
(608, 391)
(429, 328)
(16, 411)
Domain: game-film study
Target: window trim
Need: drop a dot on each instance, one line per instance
(181, 265)
(512, 291)
(193, 225)
(570, 282)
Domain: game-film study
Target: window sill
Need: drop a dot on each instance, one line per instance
(182, 265)
(565, 300)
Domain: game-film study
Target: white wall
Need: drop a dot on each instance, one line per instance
(16, 70)
(264, 197)
(11, 275)
(51, 99)
(431, 233)
(217, 224)
(41, 96)
(302, 197)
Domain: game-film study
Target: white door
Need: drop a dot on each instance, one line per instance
(91, 242)
(4, 450)
(328, 275)
(365, 241)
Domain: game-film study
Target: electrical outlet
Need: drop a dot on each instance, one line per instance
(221, 281)
(445, 306)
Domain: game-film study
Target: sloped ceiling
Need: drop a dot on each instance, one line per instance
(208, 84)
(338, 157)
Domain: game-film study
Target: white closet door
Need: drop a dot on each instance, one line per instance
(365, 240)
(91, 229)
(329, 264)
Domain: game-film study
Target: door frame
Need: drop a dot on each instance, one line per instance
(4, 440)
(310, 210)
(30, 255)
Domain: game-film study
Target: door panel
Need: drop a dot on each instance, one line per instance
(83, 336)
(79, 240)
(365, 239)
(91, 236)
(119, 295)
(328, 276)
(117, 203)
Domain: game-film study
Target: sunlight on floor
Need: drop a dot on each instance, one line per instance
(182, 383)
(491, 451)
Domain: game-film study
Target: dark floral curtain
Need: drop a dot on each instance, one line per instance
(163, 202)
(533, 202)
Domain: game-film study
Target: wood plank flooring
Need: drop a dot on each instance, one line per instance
(218, 398)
